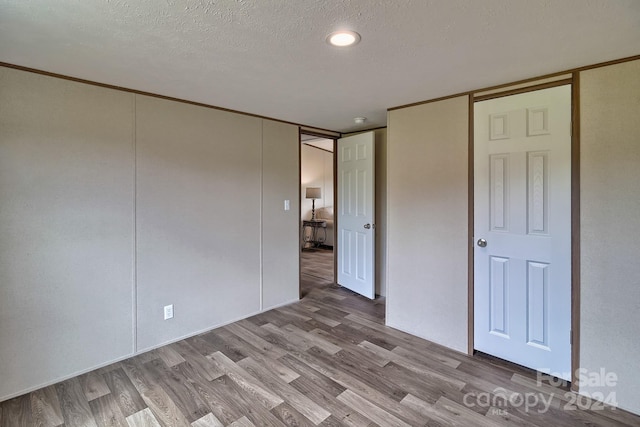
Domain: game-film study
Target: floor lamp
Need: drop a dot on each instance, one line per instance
(313, 193)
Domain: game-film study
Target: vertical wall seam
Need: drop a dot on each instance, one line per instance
(134, 290)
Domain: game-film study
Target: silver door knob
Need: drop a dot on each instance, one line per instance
(367, 226)
(482, 243)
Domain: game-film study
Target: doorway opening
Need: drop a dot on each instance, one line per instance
(338, 211)
(317, 221)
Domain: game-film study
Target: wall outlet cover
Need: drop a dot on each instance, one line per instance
(168, 311)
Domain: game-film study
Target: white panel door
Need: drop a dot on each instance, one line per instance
(356, 208)
(522, 256)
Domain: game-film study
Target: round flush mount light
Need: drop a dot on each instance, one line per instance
(343, 38)
(360, 120)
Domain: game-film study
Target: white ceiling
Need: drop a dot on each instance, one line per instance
(269, 57)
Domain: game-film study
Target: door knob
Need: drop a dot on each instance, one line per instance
(482, 243)
(367, 226)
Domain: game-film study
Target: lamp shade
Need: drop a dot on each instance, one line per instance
(313, 193)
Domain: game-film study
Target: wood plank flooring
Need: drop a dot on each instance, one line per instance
(317, 263)
(327, 360)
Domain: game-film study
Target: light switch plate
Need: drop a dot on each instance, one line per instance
(287, 205)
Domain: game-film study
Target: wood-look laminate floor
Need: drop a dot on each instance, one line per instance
(327, 360)
(317, 264)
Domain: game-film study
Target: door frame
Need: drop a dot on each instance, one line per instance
(574, 81)
(334, 138)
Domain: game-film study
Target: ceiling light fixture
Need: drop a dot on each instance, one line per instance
(343, 38)
(360, 120)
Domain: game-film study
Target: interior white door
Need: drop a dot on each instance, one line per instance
(522, 203)
(356, 213)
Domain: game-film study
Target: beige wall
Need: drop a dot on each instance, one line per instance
(114, 205)
(280, 229)
(316, 171)
(197, 217)
(427, 187)
(66, 228)
(610, 227)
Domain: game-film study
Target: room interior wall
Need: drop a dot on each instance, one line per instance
(316, 171)
(114, 205)
(197, 217)
(66, 228)
(327, 163)
(280, 228)
(427, 211)
(609, 229)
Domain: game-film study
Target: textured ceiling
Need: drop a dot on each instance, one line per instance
(269, 57)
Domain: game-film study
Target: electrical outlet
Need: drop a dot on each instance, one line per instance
(287, 205)
(168, 311)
